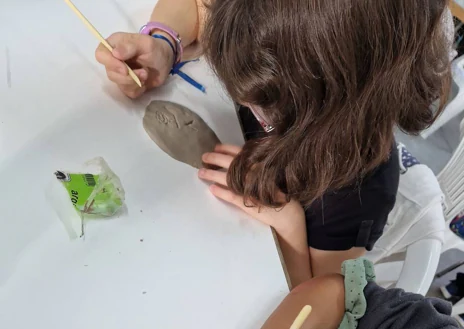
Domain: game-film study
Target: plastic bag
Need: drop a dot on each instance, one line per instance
(93, 195)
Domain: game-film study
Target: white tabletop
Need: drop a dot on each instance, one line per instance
(179, 258)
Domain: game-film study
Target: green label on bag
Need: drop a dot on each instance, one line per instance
(79, 187)
(105, 197)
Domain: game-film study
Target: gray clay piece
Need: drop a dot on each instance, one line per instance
(179, 132)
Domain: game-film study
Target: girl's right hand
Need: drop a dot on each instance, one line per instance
(150, 58)
(285, 219)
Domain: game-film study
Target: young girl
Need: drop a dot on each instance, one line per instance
(328, 80)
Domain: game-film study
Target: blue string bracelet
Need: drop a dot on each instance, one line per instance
(176, 70)
(162, 37)
(177, 66)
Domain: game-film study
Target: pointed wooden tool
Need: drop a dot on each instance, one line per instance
(301, 318)
(100, 38)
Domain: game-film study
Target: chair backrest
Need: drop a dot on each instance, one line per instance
(411, 220)
(451, 180)
(415, 225)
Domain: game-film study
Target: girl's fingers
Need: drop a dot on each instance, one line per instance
(105, 57)
(218, 159)
(127, 85)
(120, 79)
(125, 79)
(131, 91)
(228, 196)
(142, 74)
(214, 176)
(228, 149)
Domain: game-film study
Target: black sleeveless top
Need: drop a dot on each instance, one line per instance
(353, 216)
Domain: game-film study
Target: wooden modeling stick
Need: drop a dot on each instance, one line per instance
(100, 38)
(301, 317)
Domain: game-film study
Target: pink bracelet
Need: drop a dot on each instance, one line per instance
(150, 26)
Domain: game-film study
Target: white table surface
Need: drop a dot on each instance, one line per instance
(201, 264)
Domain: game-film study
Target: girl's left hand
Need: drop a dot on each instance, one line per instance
(222, 157)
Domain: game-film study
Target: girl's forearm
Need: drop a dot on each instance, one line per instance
(183, 16)
(294, 248)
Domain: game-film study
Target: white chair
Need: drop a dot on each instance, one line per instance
(415, 226)
(451, 180)
(452, 241)
(414, 274)
(456, 103)
(458, 308)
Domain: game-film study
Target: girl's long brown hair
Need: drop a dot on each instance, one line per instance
(334, 77)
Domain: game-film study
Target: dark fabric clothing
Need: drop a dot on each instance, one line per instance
(460, 284)
(353, 216)
(396, 309)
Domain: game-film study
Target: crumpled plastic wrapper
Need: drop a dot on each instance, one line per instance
(95, 194)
